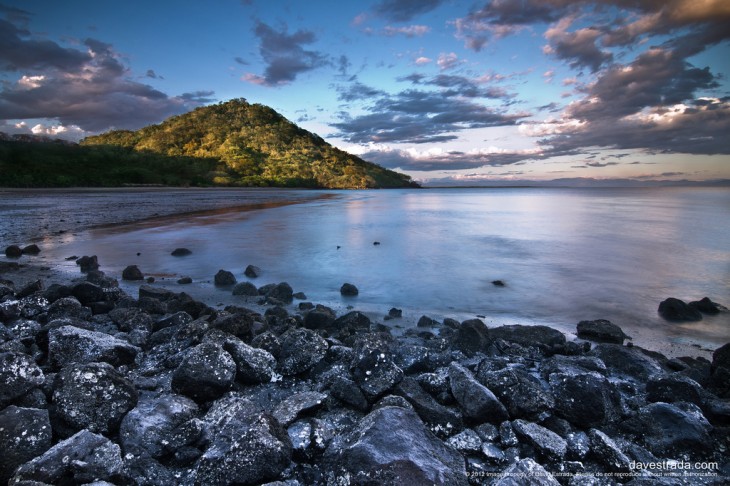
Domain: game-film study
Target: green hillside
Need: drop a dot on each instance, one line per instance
(251, 145)
(228, 144)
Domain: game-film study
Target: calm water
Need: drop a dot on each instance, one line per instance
(564, 254)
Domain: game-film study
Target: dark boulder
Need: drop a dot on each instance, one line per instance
(347, 391)
(156, 293)
(374, 371)
(281, 292)
(179, 252)
(253, 365)
(374, 454)
(348, 290)
(87, 263)
(31, 249)
(68, 308)
(521, 393)
(292, 407)
(674, 388)
(476, 401)
(252, 271)
(669, 429)
(92, 396)
(13, 251)
(673, 309)
(471, 337)
(585, 400)
(301, 349)
(623, 361)
(25, 433)
(608, 453)
(176, 319)
(432, 412)
(185, 280)
(529, 335)
(224, 278)
(601, 331)
(719, 381)
(706, 306)
(516, 474)
(82, 459)
(426, 321)
(352, 322)
(29, 289)
(549, 445)
(206, 372)
(245, 288)
(319, 319)
(18, 375)
(69, 344)
(132, 272)
(148, 428)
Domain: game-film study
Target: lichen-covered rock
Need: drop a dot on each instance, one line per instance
(92, 396)
(585, 400)
(521, 393)
(476, 401)
(517, 474)
(25, 433)
(83, 458)
(471, 337)
(430, 411)
(608, 453)
(206, 372)
(666, 428)
(253, 365)
(548, 444)
(290, 408)
(374, 371)
(70, 344)
(601, 331)
(373, 452)
(18, 375)
(622, 361)
(301, 349)
(149, 426)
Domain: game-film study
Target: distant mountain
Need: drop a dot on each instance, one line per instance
(251, 145)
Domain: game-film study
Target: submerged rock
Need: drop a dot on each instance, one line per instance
(252, 271)
(348, 290)
(673, 309)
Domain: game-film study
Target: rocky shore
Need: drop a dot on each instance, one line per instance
(101, 387)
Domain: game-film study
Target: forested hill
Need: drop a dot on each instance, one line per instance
(253, 146)
(229, 144)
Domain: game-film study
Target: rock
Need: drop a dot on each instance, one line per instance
(179, 252)
(348, 290)
(245, 288)
(622, 361)
(516, 475)
(184, 280)
(471, 337)
(149, 427)
(601, 331)
(673, 309)
(521, 393)
(239, 324)
(498, 283)
(721, 358)
(371, 451)
(13, 251)
(206, 372)
(706, 306)
(585, 400)
(32, 249)
(92, 396)
(467, 441)
(426, 321)
(68, 307)
(224, 278)
(288, 410)
(351, 323)
(319, 319)
(25, 433)
(156, 293)
(673, 388)
(281, 292)
(81, 459)
(348, 392)
(573, 365)
(132, 272)
(608, 453)
(248, 450)
(528, 335)
(301, 349)
(176, 319)
(374, 371)
(253, 365)
(29, 289)
(547, 443)
(667, 429)
(252, 271)
(430, 411)
(87, 263)
(395, 313)
(476, 401)
(69, 344)
(18, 375)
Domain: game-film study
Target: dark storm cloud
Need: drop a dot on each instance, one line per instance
(404, 10)
(285, 55)
(17, 52)
(414, 116)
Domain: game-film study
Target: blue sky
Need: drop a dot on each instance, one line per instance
(448, 91)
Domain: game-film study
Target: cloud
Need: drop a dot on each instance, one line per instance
(285, 55)
(579, 47)
(601, 164)
(17, 52)
(422, 61)
(448, 61)
(408, 31)
(357, 91)
(404, 10)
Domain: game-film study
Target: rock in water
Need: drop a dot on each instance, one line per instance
(601, 331)
(706, 306)
(31, 250)
(13, 251)
(132, 272)
(178, 252)
(223, 278)
(87, 263)
(373, 451)
(673, 309)
(348, 290)
(252, 271)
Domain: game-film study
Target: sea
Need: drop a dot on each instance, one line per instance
(563, 254)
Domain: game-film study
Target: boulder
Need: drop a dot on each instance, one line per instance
(671, 429)
(467, 442)
(528, 335)
(674, 388)
(156, 293)
(206, 372)
(185, 280)
(68, 308)
(253, 365)
(623, 361)
(31, 249)
(516, 475)
(289, 409)
(471, 337)
(252, 271)
(87, 292)
(521, 393)
(432, 412)
(132, 272)
(29, 289)
(601, 331)
(374, 371)
(25, 433)
(18, 375)
(245, 288)
(347, 391)
(673, 309)
(179, 252)
(224, 278)
(13, 251)
(426, 321)
(301, 349)
(372, 452)
(84, 458)
(608, 453)
(319, 319)
(70, 344)
(87, 263)
(348, 290)
(706, 306)
(281, 292)
(148, 428)
(477, 402)
(92, 396)
(585, 400)
(547, 443)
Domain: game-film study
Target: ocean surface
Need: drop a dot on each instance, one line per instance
(565, 255)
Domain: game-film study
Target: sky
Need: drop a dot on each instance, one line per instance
(450, 92)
